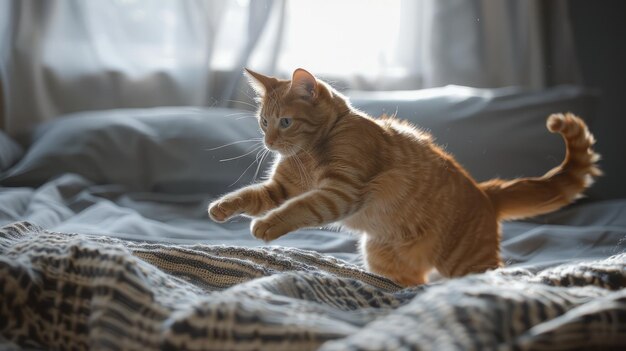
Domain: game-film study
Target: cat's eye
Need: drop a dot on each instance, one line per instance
(264, 122)
(285, 122)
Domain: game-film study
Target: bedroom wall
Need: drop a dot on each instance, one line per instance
(599, 29)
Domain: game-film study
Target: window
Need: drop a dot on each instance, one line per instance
(344, 38)
(339, 38)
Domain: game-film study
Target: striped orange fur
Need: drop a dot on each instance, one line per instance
(414, 206)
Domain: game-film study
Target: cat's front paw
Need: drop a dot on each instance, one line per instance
(269, 228)
(224, 208)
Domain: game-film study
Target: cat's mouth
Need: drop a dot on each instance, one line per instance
(283, 149)
(272, 146)
(276, 147)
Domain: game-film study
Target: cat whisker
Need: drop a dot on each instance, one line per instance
(235, 142)
(242, 115)
(264, 153)
(247, 113)
(304, 176)
(302, 149)
(307, 178)
(258, 159)
(242, 174)
(240, 156)
(243, 103)
(246, 92)
(302, 171)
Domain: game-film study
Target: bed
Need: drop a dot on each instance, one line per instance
(105, 242)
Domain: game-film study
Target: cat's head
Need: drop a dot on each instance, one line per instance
(295, 115)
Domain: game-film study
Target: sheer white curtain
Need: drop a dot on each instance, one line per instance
(412, 44)
(59, 56)
(485, 43)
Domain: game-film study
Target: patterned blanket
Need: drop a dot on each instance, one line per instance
(72, 291)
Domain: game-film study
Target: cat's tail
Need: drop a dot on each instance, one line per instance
(527, 197)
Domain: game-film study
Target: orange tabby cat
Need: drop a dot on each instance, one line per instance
(415, 206)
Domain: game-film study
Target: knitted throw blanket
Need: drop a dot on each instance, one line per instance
(73, 291)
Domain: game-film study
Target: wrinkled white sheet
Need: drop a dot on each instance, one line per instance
(74, 205)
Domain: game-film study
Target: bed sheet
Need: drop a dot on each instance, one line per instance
(72, 204)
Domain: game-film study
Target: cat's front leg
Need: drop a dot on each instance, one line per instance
(314, 208)
(252, 200)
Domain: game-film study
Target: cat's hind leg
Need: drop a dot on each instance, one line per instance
(475, 252)
(384, 258)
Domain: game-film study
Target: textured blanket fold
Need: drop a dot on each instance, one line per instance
(72, 291)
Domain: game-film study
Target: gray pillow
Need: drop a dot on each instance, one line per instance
(492, 132)
(10, 151)
(158, 149)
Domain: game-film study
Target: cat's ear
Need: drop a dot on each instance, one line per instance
(260, 83)
(304, 84)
